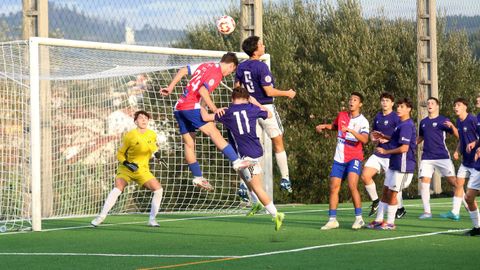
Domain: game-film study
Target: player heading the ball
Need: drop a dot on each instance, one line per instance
(205, 78)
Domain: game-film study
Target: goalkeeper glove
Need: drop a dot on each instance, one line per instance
(133, 167)
(158, 156)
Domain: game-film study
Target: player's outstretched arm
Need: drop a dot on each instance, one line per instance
(273, 92)
(180, 74)
(207, 99)
(323, 127)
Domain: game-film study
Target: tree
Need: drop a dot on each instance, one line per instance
(326, 52)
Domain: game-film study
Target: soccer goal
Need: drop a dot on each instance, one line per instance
(65, 105)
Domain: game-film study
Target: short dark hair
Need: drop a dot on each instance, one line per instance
(435, 99)
(240, 92)
(387, 95)
(230, 57)
(137, 113)
(406, 101)
(461, 100)
(250, 45)
(357, 94)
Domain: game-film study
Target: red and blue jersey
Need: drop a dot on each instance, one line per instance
(348, 147)
(208, 75)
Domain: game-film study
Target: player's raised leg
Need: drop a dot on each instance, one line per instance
(282, 163)
(210, 130)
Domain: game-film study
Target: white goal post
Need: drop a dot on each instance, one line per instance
(79, 98)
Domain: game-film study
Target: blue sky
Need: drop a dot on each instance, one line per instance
(171, 13)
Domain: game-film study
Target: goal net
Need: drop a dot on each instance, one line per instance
(65, 106)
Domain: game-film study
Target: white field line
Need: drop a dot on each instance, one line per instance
(235, 256)
(200, 218)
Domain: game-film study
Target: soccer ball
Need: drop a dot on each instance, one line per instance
(225, 25)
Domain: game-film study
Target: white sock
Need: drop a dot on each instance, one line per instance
(156, 201)
(399, 199)
(474, 215)
(271, 209)
(253, 197)
(372, 191)
(425, 193)
(380, 211)
(392, 210)
(110, 201)
(457, 203)
(282, 163)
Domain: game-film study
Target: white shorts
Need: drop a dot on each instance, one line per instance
(474, 181)
(249, 172)
(445, 166)
(397, 181)
(465, 172)
(377, 163)
(272, 126)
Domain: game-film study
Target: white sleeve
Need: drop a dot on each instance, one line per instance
(365, 127)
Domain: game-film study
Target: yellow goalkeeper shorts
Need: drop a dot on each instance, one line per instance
(140, 177)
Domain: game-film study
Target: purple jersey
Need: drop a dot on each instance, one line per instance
(404, 133)
(467, 133)
(434, 132)
(385, 124)
(253, 75)
(241, 122)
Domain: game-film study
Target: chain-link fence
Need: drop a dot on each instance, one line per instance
(163, 22)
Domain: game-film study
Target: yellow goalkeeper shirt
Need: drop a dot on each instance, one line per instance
(138, 148)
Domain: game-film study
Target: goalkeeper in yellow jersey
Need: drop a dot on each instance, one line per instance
(137, 148)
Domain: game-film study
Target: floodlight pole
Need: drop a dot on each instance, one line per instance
(427, 75)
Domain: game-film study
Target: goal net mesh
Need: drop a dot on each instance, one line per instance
(88, 97)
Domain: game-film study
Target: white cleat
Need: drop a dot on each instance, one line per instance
(202, 183)
(153, 223)
(243, 163)
(332, 224)
(358, 224)
(425, 216)
(97, 221)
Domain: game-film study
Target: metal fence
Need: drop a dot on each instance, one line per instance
(162, 22)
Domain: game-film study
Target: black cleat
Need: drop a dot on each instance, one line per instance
(374, 207)
(401, 212)
(473, 232)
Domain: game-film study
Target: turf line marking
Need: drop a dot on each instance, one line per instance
(235, 257)
(196, 218)
(190, 263)
(350, 243)
(307, 249)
